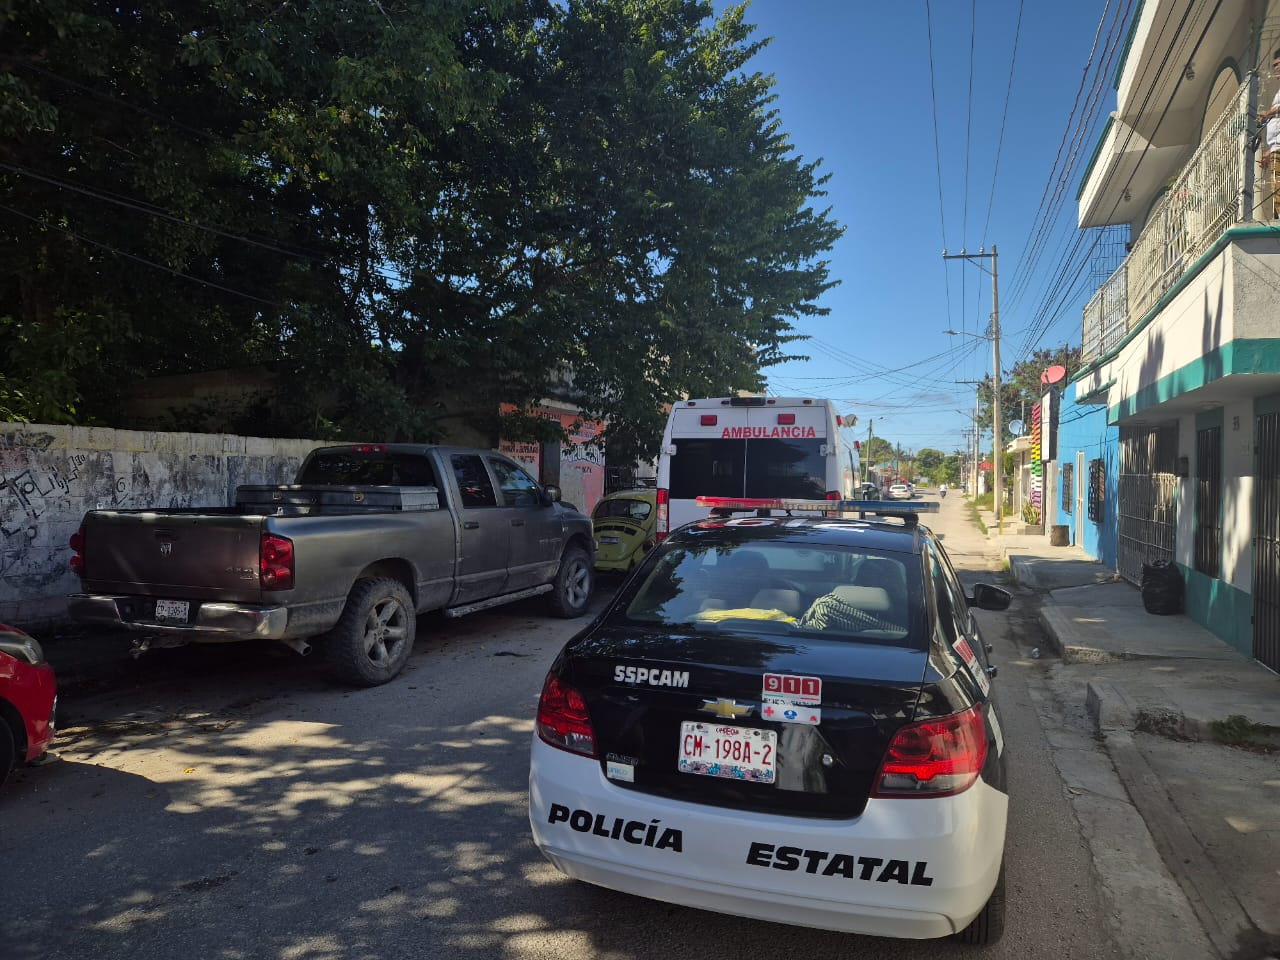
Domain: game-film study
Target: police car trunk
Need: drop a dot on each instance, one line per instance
(746, 722)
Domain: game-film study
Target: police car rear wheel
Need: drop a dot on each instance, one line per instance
(987, 926)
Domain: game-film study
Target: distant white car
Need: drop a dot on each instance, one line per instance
(899, 491)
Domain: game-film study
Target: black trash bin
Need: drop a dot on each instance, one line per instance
(1162, 588)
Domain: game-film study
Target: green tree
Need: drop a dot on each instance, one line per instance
(1020, 387)
(952, 470)
(409, 213)
(879, 450)
(929, 462)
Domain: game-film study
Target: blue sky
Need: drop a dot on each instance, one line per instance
(853, 80)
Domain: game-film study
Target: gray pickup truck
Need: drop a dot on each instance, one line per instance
(368, 536)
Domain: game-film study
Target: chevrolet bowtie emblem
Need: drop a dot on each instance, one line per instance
(728, 709)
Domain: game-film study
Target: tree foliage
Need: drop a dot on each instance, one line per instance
(411, 214)
(1020, 387)
(879, 450)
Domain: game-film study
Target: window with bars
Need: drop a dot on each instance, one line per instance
(1068, 485)
(1097, 489)
(1209, 500)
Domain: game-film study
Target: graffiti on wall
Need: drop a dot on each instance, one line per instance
(46, 487)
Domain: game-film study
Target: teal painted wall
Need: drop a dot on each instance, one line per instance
(1220, 608)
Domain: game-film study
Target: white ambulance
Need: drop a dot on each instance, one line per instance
(770, 447)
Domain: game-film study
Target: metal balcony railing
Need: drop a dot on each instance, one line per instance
(1209, 195)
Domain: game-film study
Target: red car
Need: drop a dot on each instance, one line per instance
(28, 700)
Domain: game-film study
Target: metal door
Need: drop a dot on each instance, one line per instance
(1148, 484)
(1266, 544)
(1081, 477)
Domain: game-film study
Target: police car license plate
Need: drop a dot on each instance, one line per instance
(172, 610)
(720, 750)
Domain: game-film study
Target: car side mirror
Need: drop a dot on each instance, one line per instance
(552, 493)
(988, 597)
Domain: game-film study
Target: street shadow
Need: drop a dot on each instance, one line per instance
(279, 820)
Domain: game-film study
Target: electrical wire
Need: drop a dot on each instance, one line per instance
(143, 260)
(1004, 116)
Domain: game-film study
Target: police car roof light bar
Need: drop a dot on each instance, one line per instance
(883, 508)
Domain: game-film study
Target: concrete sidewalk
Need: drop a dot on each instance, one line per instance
(1192, 727)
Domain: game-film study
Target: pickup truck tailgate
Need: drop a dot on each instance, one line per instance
(200, 555)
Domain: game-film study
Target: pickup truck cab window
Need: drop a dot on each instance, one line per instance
(474, 485)
(518, 488)
(383, 469)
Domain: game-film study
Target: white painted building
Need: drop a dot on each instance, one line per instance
(1182, 343)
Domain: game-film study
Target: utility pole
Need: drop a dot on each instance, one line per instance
(997, 447)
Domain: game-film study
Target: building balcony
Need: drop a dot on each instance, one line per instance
(1212, 193)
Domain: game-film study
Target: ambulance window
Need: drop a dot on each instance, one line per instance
(786, 468)
(707, 468)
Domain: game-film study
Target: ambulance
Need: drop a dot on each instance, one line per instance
(770, 447)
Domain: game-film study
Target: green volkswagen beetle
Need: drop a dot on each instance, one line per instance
(623, 524)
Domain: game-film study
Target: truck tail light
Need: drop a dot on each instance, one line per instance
(77, 555)
(275, 562)
(934, 758)
(563, 721)
(663, 526)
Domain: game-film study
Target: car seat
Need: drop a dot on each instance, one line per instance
(740, 575)
(772, 598)
(889, 576)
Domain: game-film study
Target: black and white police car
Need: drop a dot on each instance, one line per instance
(788, 718)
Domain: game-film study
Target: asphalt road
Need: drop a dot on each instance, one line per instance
(224, 802)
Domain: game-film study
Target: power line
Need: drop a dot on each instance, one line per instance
(1013, 66)
(143, 260)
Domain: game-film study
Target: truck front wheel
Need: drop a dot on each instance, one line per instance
(573, 584)
(374, 636)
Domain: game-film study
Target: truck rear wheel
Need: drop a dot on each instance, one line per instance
(573, 583)
(375, 634)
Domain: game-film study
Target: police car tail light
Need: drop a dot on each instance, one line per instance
(663, 526)
(934, 758)
(563, 720)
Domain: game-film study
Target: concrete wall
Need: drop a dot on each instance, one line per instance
(51, 475)
(1223, 604)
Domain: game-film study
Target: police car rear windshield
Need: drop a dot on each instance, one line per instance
(760, 467)
(775, 587)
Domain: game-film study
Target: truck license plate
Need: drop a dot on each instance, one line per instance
(719, 750)
(172, 610)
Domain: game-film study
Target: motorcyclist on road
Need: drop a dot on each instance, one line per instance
(942, 490)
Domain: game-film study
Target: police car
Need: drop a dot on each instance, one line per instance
(786, 716)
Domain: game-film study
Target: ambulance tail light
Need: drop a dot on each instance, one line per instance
(786, 419)
(663, 526)
(563, 721)
(934, 758)
(834, 495)
(708, 420)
